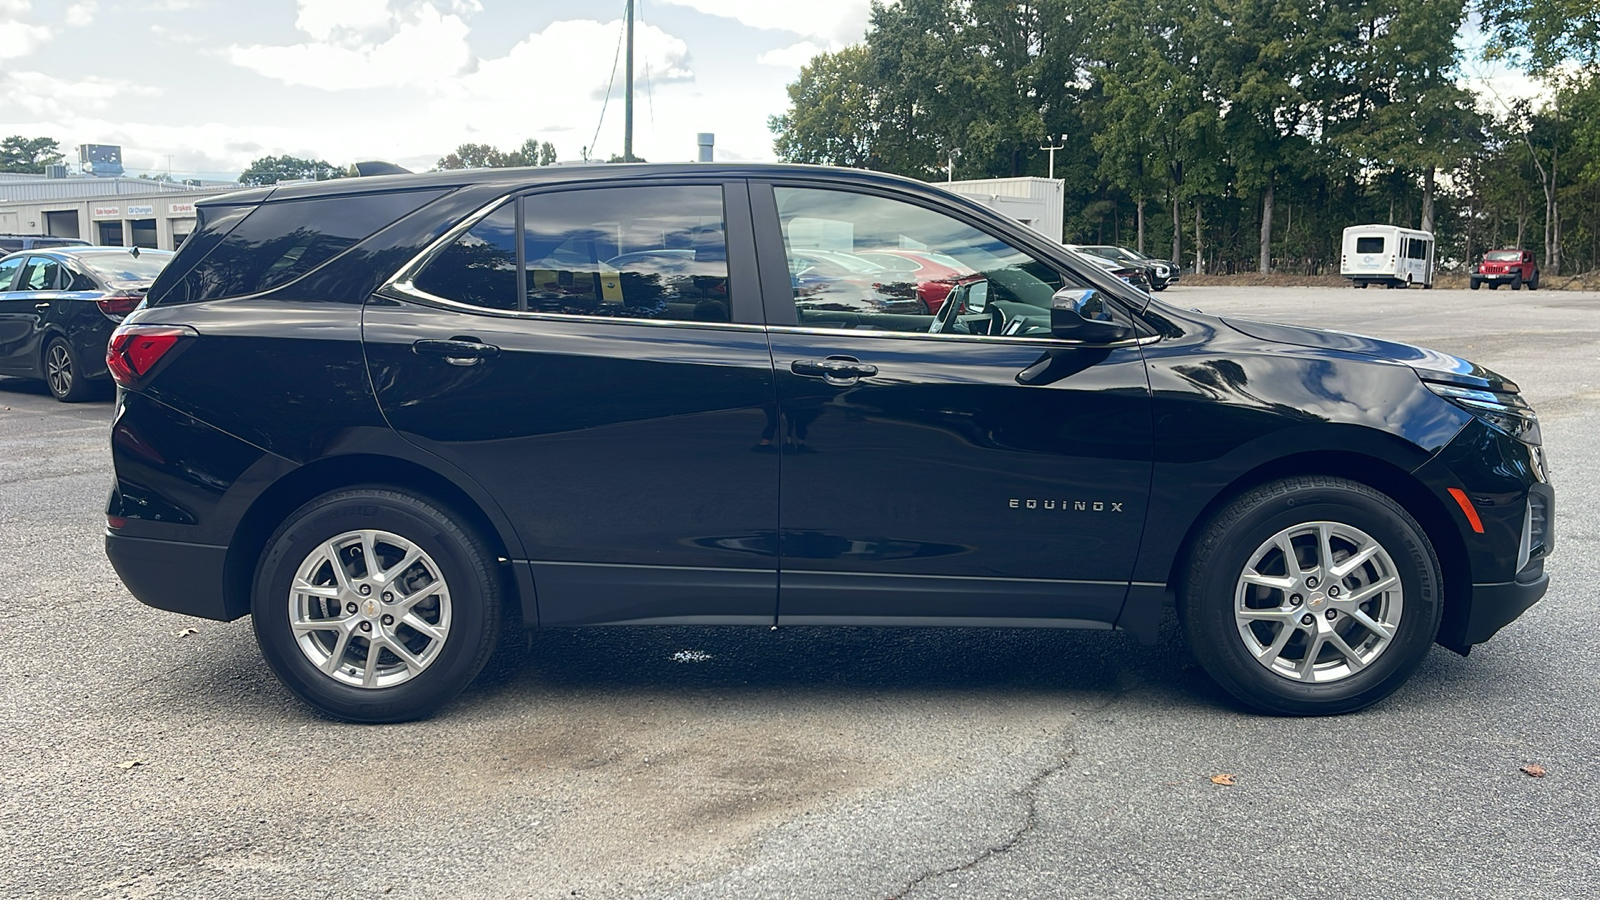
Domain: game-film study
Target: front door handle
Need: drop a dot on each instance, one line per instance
(837, 369)
(41, 306)
(457, 351)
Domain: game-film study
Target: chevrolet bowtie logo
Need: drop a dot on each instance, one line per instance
(1068, 505)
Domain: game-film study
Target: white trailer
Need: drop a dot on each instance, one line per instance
(1388, 255)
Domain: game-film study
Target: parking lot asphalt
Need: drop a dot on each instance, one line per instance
(146, 754)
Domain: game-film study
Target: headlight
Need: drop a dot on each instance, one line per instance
(1507, 412)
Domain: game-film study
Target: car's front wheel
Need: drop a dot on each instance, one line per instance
(1312, 595)
(376, 606)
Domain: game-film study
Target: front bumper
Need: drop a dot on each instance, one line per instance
(1494, 606)
(1496, 277)
(1507, 538)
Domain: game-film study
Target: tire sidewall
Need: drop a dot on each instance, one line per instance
(1265, 512)
(473, 595)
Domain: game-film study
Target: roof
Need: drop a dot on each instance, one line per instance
(518, 177)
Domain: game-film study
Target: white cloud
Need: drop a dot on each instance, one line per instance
(428, 48)
(794, 56)
(81, 15)
(18, 38)
(326, 19)
(555, 80)
(58, 98)
(836, 23)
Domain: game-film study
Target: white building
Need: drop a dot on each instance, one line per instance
(117, 212)
(1038, 203)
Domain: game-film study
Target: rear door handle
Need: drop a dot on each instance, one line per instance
(834, 368)
(458, 351)
(41, 306)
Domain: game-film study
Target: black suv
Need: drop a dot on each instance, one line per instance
(388, 417)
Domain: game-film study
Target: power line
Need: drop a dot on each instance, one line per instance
(607, 101)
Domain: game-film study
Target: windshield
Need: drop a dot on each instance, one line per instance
(123, 266)
(1503, 255)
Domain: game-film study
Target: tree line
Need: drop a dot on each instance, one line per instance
(1240, 134)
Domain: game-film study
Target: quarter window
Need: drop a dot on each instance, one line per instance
(840, 246)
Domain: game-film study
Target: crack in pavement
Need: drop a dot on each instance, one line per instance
(1030, 791)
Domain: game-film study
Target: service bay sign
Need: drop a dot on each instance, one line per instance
(141, 210)
(108, 212)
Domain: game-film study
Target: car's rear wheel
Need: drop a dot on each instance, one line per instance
(1312, 595)
(376, 606)
(1533, 283)
(62, 374)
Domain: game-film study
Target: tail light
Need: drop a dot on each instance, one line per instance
(137, 349)
(117, 306)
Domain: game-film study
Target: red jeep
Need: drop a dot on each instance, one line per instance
(1513, 267)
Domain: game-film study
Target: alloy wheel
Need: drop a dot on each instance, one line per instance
(58, 369)
(1318, 602)
(369, 609)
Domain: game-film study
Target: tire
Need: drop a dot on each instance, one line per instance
(62, 375)
(446, 626)
(1475, 284)
(1533, 283)
(1516, 283)
(1494, 285)
(1252, 638)
(1362, 285)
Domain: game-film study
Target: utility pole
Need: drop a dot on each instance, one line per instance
(1053, 147)
(627, 105)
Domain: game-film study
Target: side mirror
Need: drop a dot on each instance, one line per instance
(1082, 314)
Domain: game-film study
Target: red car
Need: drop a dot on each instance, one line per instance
(1513, 267)
(934, 273)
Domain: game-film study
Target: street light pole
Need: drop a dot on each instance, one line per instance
(627, 104)
(1053, 148)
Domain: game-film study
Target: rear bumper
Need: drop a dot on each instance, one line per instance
(174, 576)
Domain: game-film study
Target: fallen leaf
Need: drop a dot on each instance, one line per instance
(1534, 770)
(130, 763)
(188, 631)
(1224, 779)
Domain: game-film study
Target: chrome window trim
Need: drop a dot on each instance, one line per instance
(966, 338)
(410, 291)
(403, 282)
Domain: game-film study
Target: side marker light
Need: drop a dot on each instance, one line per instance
(1468, 509)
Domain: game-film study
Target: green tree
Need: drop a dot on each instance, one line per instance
(834, 114)
(273, 169)
(1543, 34)
(484, 156)
(28, 155)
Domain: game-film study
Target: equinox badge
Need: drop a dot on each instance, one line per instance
(1073, 505)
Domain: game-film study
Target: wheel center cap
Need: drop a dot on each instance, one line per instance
(1317, 600)
(369, 608)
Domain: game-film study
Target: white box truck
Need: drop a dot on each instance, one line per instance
(1388, 255)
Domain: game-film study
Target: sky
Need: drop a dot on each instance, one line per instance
(200, 88)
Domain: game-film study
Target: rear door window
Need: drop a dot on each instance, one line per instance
(1369, 245)
(41, 274)
(638, 252)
